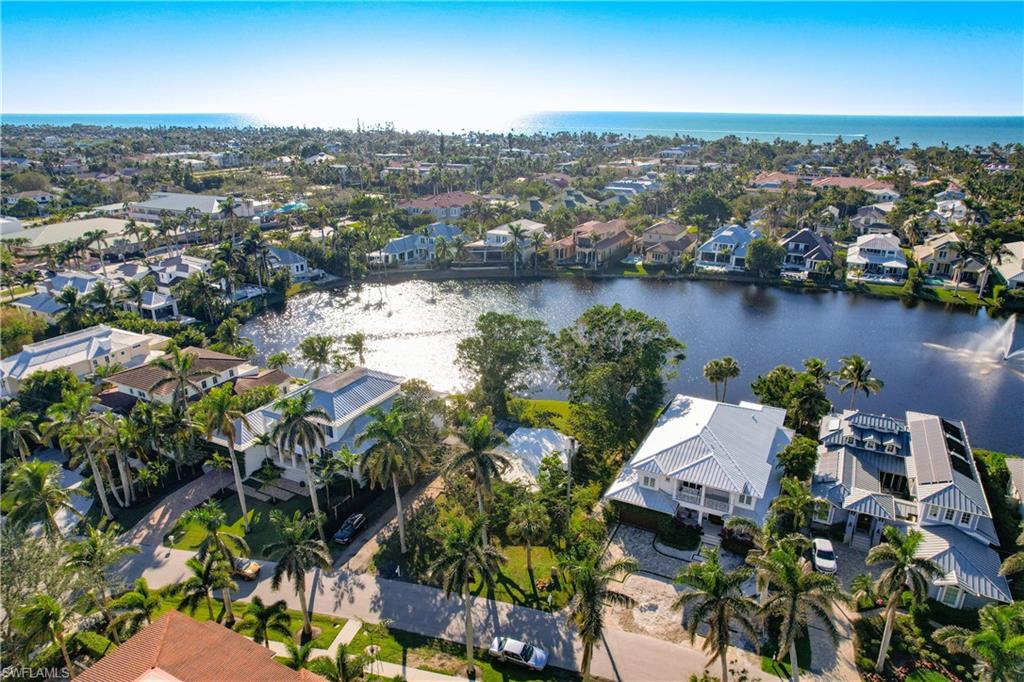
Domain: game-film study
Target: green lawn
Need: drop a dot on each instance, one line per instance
(261, 530)
(329, 627)
(515, 585)
(559, 410)
(425, 653)
(943, 295)
(782, 668)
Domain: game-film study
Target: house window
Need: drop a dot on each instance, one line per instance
(745, 500)
(203, 384)
(951, 596)
(949, 515)
(851, 440)
(231, 372)
(822, 512)
(965, 519)
(933, 511)
(648, 481)
(330, 431)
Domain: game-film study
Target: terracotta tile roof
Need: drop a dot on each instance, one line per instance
(266, 377)
(146, 377)
(846, 183)
(175, 647)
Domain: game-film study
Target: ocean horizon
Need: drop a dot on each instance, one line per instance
(962, 131)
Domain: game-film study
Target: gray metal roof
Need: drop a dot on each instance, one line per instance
(285, 256)
(40, 302)
(965, 562)
(170, 201)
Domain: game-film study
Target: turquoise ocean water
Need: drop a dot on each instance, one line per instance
(923, 130)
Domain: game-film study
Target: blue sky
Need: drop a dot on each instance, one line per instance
(486, 63)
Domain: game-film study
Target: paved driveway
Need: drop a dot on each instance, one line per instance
(159, 522)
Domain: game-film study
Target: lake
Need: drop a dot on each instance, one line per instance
(413, 327)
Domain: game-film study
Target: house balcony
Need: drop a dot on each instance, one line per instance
(688, 497)
(717, 504)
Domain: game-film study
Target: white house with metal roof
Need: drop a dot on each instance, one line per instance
(726, 249)
(160, 204)
(706, 460)
(876, 257)
(80, 352)
(346, 397)
(913, 473)
(296, 265)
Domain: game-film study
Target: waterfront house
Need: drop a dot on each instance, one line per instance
(174, 269)
(937, 257)
(706, 461)
(527, 447)
(669, 253)
(593, 243)
(726, 249)
(876, 257)
(450, 205)
(661, 231)
(296, 265)
(492, 248)
(417, 248)
(345, 396)
(176, 648)
(158, 307)
(913, 473)
(80, 352)
(144, 382)
(806, 251)
(1011, 270)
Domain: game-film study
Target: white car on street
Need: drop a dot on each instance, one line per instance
(520, 653)
(824, 556)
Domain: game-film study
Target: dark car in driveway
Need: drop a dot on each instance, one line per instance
(349, 529)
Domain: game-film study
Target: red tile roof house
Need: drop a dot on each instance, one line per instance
(176, 648)
(593, 243)
(441, 206)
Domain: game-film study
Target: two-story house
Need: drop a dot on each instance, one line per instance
(493, 248)
(706, 460)
(916, 473)
(806, 251)
(80, 352)
(876, 257)
(450, 205)
(174, 269)
(417, 248)
(939, 257)
(346, 397)
(148, 382)
(296, 264)
(593, 243)
(727, 248)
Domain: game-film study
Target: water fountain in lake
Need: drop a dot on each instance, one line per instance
(988, 353)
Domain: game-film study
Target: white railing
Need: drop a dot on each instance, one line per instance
(718, 505)
(687, 496)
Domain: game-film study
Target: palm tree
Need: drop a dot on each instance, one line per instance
(799, 596)
(765, 538)
(907, 572)
(344, 667)
(855, 376)
(278, 360)
(591, 578)
(93, 557)
(213, 521)
(460, 560)
(997, 646)
(1015, 562)
(35, 495)
(19, 433)
(182, 375)
(728, 368)
(316, 351)
(479, 440)
(201, 293)
(296, 552)
(391, 458)
(208, 575)
(517, 236)
(529, 523)
(261, 619)
(795, 501)
(99, 238)
(301, 427)
(991, 253)
(134, 290)
(717, 599)
(713, 373)
(71, 422)
(135, 607)
(350, 461)
(75, 309)
(356, 343)
(43, 621)
(221, 417)
(537, 242)
(298, 654)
